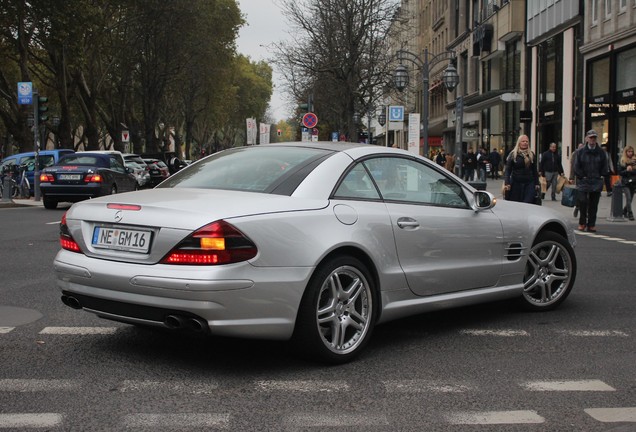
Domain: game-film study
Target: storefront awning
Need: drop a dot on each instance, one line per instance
(492, 100)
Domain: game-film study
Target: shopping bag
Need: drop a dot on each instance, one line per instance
(537, 198)
(544, 185)
(568, 198)
(561, 182)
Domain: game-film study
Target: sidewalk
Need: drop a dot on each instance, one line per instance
(20, 203)
(604, 205)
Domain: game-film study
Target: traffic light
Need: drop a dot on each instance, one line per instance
(304, 106)
(279, 132)
(43, 108)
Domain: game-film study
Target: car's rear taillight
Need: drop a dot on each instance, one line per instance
(213, 244)
(93, 178)
(46, 178)
(66, 240)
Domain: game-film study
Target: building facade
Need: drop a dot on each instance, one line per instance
(609, 55)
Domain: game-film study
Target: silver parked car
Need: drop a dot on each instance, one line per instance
(313, 242)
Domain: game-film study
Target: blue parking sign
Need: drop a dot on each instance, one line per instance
(396, 113)
(25, 93)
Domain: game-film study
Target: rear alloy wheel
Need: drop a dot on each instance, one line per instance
(550, 272)
(337, 313)
(49, 203)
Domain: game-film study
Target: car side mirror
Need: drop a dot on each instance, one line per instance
(483, 200)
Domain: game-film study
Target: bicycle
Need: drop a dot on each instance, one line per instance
(20, 188)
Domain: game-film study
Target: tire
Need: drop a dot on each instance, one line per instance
(113, 190)
(339, 303)
(49, 203)
(550, 272)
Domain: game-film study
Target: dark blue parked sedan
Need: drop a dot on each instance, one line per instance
(84, 175)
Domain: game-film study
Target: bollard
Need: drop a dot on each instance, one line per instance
(6, 190)
(616, 211)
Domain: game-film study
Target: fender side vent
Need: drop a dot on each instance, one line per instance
(515, 251)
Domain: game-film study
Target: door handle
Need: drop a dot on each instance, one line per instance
(407, 223)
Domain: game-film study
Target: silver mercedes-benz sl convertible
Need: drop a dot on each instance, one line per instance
(312, 242)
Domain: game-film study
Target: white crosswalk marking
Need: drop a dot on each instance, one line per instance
(181, 421)
(500, 333)
(335, 420)
(581, 385)
(78, 330)
(594, 333)
(35, 385)
(32, 420)
(163, 386)
(494, 417)
(421, 386)
(303, 386)
(613, 415)
(6, 329)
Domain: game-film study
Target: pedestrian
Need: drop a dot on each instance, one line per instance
(590, 166)
(551, 168)
(470, 163)
(521, 177)
(611, 170)
(572, 178)
(627, 171)
(482, 162)
(440, 159)
(495, 161)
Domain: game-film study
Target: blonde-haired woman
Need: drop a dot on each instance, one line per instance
(521, 177)
(627, 171)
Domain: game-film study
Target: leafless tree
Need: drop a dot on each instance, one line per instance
(338, 55)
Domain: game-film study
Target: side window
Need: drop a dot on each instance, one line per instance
(115, 165)
(357, 184)
(408, 180)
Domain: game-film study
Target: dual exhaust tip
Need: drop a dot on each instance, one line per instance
(177, 322)
(174, 322)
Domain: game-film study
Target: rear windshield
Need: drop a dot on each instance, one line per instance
(83, 160)
(252, 169)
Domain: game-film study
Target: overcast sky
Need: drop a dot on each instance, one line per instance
(265, 25)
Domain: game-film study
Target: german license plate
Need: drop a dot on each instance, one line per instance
(121, 239)
(69, 177)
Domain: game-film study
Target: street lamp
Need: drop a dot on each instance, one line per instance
(450, 79)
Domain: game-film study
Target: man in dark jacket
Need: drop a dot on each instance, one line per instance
(495, 160)
(590, 166)
(551, 168)
(470, 164)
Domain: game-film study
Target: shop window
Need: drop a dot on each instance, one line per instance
(626, 65)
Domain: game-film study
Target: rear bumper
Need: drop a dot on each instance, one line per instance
(72, 193)
(262, 304)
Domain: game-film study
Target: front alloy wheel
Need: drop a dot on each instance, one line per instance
(550, 272)
(337, 313)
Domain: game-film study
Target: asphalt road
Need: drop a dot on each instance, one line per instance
(491, 367)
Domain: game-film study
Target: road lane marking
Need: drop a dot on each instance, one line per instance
(303, 386)
(499, 333)
(32, 420)
(336, 420)
(594, 333)
(612, 415)
(35, 385)
(494, 417)
(78, 330)
(162, 386)
(6, 329)
(580, 385)
(180, 421)
(422, 386)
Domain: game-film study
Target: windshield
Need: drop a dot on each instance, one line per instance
(254, 169)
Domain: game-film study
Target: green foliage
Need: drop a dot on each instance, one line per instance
(113, 64)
